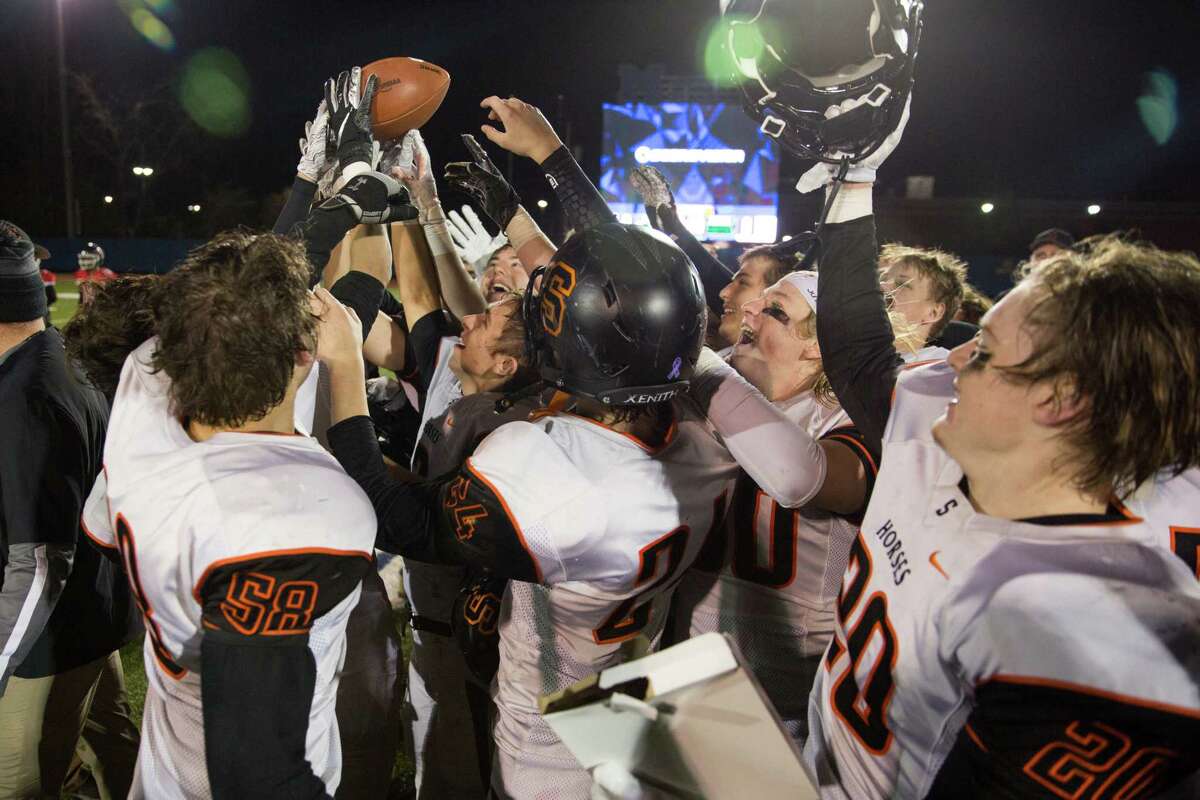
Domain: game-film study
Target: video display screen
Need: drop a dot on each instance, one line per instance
(723, 170)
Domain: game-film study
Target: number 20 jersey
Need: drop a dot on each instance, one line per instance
(940, 606)
(261, 535)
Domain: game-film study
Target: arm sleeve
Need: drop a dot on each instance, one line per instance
(258, 675)
(784, 460)
(456, 519)
(853, 329)
(297, 205)
(426, 336)
(361, 292)
(583, 205)
(713, 274)
(320, 232)
(39, 522)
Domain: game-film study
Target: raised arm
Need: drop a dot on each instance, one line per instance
(659, 201)
(833, 473)
(454, 519)
(853, 329)
(526, 132)
(368, 196)
(312, 167)
(482, 181)
(459, 291)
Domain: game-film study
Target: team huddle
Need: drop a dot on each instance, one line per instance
(961, 561)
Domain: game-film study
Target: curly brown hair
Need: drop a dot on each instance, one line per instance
(232, 319)
(1117, 326)
(118, 317)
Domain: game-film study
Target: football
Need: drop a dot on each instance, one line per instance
(410, 91)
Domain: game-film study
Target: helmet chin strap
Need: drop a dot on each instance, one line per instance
(810, 258)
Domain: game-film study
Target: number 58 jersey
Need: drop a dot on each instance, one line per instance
(976, 656)
(256, 535)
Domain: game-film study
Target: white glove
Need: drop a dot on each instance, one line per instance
(474, 243)
(864, 172)
(611, 781)
(313, 163)
(409, 161)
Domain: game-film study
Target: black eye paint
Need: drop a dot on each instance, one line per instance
(777, 314)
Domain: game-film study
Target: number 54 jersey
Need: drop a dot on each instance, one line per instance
(976, 656)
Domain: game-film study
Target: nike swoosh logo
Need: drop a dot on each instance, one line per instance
(933, 560)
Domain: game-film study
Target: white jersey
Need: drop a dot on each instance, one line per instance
(926, 355)
(209, 533)
(444, 389)
(962, 636)
(610, 524)
(1172, 507)
(770, 581)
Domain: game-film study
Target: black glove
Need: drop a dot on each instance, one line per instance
(482, 181)
(349, 131)
(373, 198)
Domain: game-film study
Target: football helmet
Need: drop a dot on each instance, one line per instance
(797, 59)
(617, 316)
(91, 257)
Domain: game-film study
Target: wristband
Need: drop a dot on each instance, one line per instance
(348, 172)
(522, 229)
(437, 235)
(853, 202)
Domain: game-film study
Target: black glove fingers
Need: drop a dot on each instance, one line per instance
(368, 94)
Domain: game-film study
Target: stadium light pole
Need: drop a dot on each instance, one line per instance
(68, 181)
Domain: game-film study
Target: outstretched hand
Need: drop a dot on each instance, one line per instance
(526, 132)
(314, 160)
(408, 160)
(860, 172)
(657, 197)
(482, 180)
(350, 116)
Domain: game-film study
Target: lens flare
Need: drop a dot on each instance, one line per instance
(152, 29)
(731, 48)
(215, 92)
(143, 20)
(1159, 105)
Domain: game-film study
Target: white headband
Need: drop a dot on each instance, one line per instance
(806, 282)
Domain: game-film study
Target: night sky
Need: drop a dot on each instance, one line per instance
(1025, 98)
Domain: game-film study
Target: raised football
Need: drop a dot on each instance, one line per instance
(410, 91)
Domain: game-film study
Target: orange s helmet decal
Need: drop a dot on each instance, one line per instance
(558, 287)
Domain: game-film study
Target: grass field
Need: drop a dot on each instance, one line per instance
(68, 300)
(131, 654)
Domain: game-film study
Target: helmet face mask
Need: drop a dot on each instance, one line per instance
(618, 317)
(799, 58)
(91, 256)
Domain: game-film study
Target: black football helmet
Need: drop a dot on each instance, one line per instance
(797, 58)
(617, 316)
